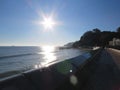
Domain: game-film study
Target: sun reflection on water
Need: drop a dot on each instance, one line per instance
(49, 56)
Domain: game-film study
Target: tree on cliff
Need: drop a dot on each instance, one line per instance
(91, 38)
(118, 29)
(96, 30)
(97, 38)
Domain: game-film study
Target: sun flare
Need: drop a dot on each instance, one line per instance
(48, 23)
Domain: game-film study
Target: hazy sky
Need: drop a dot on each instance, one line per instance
(74, 17)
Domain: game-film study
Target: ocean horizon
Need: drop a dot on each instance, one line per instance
(17, 59)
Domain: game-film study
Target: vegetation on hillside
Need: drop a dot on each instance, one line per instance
(96, 37)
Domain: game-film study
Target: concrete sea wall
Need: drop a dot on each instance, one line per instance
(70, 74)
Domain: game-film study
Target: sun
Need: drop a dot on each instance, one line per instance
(48, 22)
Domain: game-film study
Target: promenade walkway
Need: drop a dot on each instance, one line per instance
(115, 55)
(107, 72)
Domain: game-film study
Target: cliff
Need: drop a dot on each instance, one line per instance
(96, 37)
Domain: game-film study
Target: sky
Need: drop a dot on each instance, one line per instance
(19, 20)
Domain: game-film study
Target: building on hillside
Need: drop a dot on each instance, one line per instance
(114, 42)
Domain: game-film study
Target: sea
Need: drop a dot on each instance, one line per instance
(17, 59)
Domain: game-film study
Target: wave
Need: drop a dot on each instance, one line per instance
(18, 55)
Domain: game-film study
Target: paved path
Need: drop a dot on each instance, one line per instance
(115, 55)
(107, 73)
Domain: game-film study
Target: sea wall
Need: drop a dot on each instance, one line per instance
(83, 73)
(70, 74)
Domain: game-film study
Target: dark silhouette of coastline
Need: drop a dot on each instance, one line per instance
(96, 37)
